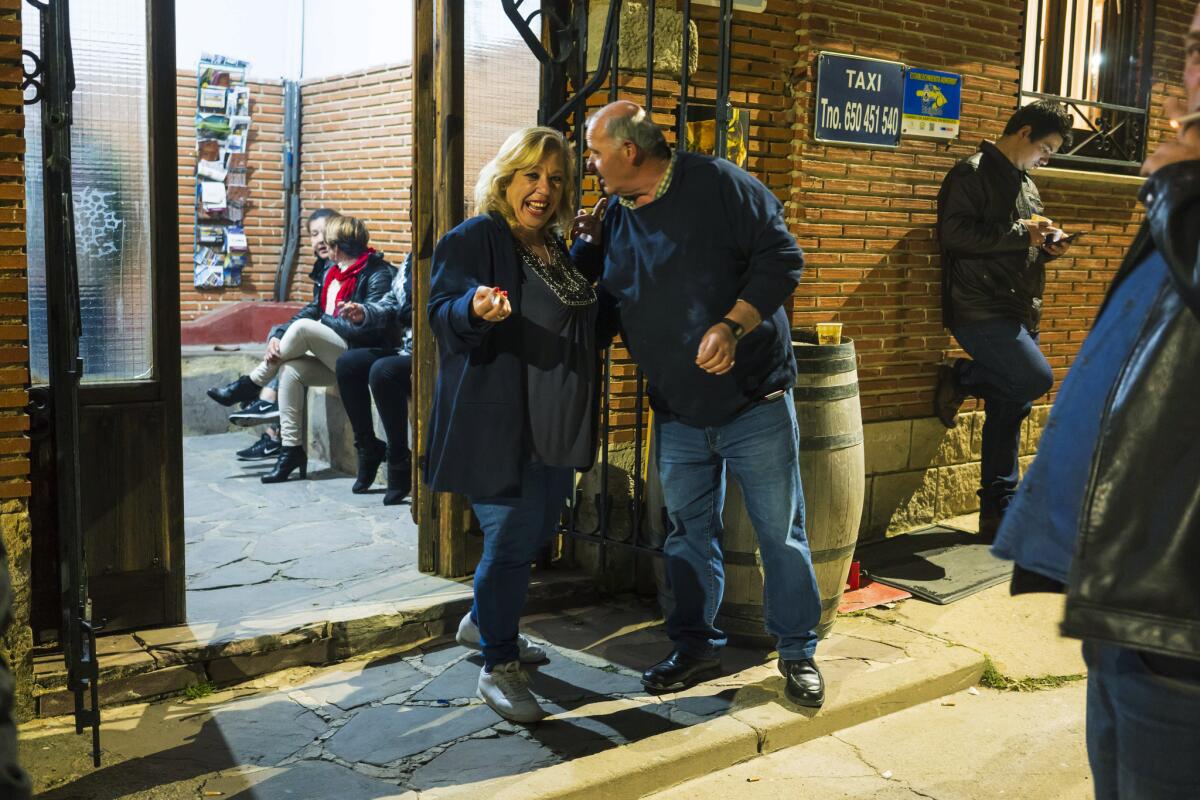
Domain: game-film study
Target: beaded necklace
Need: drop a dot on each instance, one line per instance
(567, 283)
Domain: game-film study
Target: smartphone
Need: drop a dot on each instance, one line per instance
(1069, 238)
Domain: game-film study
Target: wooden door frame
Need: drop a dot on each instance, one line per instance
(164, 391)
(437, 206)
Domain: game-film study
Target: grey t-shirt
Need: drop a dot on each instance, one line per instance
(559, 343)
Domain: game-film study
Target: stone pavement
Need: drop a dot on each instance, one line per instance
(265, 559)
(303, 572)
(408, 725)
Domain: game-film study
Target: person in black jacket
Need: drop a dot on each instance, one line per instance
(1110, 507)
(306, 353)
(386, 373)
(515, 409)
(995, 245)
(265, 410)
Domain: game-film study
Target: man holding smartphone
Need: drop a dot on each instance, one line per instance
(995, 244)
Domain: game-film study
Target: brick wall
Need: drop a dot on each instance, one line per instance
(356, 155)
(865, 217)
(264, 213)
(15, 647)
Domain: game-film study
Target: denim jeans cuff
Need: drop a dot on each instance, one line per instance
(799, 653)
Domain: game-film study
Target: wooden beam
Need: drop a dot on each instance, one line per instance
(421, 209)
(453, 514)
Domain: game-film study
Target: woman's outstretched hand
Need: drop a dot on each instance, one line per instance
(490, 304)
(353, 312)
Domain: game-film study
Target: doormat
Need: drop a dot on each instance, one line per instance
(937, 564)
(869, 596)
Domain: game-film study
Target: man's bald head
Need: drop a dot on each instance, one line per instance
(625, 121)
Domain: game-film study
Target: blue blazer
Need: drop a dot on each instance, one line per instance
(477, 424)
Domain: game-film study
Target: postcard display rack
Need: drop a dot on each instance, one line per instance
(222, 128)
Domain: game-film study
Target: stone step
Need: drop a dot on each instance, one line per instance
(160, 662)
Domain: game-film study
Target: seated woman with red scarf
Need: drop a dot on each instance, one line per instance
(307, 352)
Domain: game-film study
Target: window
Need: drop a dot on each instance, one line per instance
(1094, 56)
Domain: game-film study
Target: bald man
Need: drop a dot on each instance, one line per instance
(700, 262)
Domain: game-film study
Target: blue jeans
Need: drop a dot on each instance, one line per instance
(760, 447)
(514, 531)
(1143, 728)
(1009, 372)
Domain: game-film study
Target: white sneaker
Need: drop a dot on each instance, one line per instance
(527, 651)
(506, 691)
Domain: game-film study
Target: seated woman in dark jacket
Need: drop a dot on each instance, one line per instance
(387, 371)
(307, 352)
(514, 412)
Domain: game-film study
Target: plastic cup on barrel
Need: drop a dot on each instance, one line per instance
(829, 333)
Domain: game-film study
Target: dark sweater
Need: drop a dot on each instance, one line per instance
(677, 265)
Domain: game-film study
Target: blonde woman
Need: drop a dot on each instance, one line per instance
(306, 353)
(515, 408)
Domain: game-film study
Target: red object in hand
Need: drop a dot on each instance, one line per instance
(854, 579)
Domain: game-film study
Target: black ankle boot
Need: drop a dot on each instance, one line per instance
(290, 458)
(243, 390)
(369, 459)
(399, 483)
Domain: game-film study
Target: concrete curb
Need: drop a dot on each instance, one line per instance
(760, 722)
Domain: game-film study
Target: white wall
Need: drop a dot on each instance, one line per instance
(295, 38)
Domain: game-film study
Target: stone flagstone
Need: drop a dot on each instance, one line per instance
(384, 734)
(481, 759)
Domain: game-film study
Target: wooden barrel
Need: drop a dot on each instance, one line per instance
(832, 472)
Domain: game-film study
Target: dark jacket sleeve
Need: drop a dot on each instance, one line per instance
(774, 260)
(961, 231)
(391, 317)
(313, 309)
(588, 258)
(310, 311)
(379, 282)
(462, 262)
(1172, 199)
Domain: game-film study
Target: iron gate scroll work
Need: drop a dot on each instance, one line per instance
(53, 80)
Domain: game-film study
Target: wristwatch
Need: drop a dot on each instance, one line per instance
(738, 330)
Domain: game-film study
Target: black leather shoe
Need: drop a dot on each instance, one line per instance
(290, 459)
(805, 686)
(243, 390)
(369, 459)
(679, 671)
(265, 447)
(948, 396)
(399, 483)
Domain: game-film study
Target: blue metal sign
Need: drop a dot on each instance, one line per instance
(858, 100)
(932, 103)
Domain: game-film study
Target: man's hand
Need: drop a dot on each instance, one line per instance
(352, 312)
(273, 353)
(1057, 247)
(587, 223)
(1037, 231)
(490, 304)
(1185, 147)
(715, 355)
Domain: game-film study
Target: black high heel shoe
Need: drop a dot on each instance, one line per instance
(243, 390)
(369, 459)
(290, 458)
(399, 483)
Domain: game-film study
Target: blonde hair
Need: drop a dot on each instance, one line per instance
(348, 234)
(526, 148)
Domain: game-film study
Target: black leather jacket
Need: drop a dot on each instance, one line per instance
(1133, 580)
(989, 269)
(373, 283)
